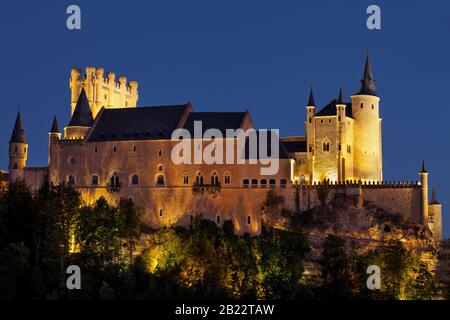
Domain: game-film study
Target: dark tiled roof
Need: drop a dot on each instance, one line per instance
(143, 123)
(18, 134)
(368, 83)
(215, 120)
(55, 127)
(82, 115)
(295, 146)
(330, 109)
(282, 152)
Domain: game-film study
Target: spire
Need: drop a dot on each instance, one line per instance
(55, 127)
(367, 82)
(341, 97)
(82, 115)
(311, 102)
(18, 134)
(423, 167)
(434, 197)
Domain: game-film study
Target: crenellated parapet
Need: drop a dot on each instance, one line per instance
(103, 91)
(366, 184)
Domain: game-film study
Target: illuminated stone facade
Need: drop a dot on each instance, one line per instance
(111, 148)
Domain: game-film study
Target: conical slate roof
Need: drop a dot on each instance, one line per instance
(82, 115)
(18, 134)
(311, 102)
(368, 83)
(55, 127)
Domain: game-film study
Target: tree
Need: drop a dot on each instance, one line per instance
(130, 222)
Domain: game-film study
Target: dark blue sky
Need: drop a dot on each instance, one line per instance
(237, 55)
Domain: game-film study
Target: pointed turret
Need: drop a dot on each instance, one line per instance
(18, 134)
(423, 167)
(82, 116)
(311, 102)
(434, 197)
(367, 82)
(55, 127)
(341, 97)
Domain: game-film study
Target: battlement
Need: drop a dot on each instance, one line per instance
(103, 91)
(367, 184)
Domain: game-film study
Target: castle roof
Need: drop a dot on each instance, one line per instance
(367, 82)
(143, 123)
(311, 102)
(55, 127)
(18, 134)
(82, 115)
(294, 144)
(331, 110)
(217, 120)
(434, 197)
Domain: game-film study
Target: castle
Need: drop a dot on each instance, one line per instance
(113, 148)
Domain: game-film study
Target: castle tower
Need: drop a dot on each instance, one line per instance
(342, 134)
(18, 151)
(54, 136)
(435, 216)
(81, 120)
(424, 194)
(310, 131)
(367, 154)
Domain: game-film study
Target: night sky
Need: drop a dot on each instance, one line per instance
(234, 55)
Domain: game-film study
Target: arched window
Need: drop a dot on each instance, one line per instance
(199, 179)
(272, 183)
(227, 178)
(94, 180)
(160, 180)
(254, 183)
(245, 183)
(263, 183)
(160, 168)
(71, 180)
(135, 180)
(117, 181)
(283, 183)
(161, 212)
(214, 180)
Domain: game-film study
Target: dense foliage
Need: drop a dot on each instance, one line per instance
(37, 233)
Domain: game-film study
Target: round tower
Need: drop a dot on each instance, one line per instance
(18, 151)
(342, 135)
(424, 194)
(367, 149)
(310, 130)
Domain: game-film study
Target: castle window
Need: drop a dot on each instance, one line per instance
(160, 180)
(16, 149)
(71, 180)
(245, 183)
(94, 180)
(214, 179)
(199, 179)
(321, 121)
(227, 179)
(191, 218)
(272, 183)
(326, 147)
(373, 107)
(310, 120)
(16, 166)
(25, 150)
(135, 180)
(249, 220)
(186, 180)
(115, 149)
(218, 218)
(263, 183)
(161, 212)
(96, 149)
(283, 183)
(126, 103)
(254, 183)
(160, 153)
(329, 120)
(339, 118)
(160, 168)
(310, 148)
(339, 147)
(134, 148)
(349, 149)
(362, 105)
